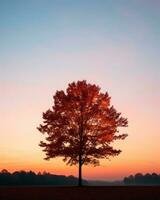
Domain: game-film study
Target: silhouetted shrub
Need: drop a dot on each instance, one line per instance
(140, 179)
(31, 178)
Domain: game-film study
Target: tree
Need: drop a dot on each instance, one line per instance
(81, 126)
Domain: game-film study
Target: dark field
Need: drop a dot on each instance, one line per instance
(84, 193)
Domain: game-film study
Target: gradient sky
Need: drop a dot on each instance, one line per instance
(45, 44)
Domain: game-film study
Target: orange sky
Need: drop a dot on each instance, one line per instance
(20, 138)
(47, 44)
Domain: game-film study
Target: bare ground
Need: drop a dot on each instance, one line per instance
(84, 193)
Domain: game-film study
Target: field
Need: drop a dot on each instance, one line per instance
(84, 193)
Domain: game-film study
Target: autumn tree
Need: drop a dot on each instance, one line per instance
(81, 126)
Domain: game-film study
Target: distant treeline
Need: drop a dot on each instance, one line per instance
(31, 178)
(140, 179)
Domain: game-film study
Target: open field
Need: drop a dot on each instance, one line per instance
(84, 193)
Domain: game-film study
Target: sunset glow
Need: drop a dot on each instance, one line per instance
(47, 44)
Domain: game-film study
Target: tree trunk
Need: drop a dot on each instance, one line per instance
(80, 148)
(80, 172)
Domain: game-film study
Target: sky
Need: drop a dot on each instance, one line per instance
(46, 44)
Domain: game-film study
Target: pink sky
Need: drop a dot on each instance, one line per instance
(46, 45)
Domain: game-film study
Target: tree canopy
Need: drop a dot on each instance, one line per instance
(81, 125)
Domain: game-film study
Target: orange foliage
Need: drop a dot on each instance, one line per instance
(81, 125)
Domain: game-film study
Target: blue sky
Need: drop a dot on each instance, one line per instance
(45, 44)
(31, 31)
